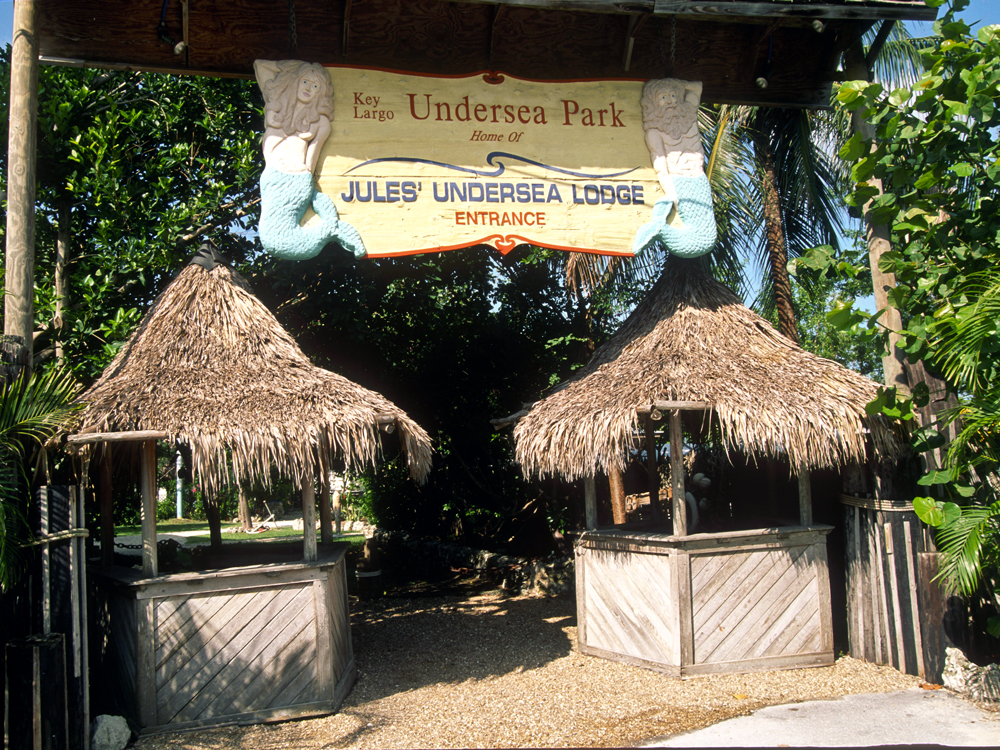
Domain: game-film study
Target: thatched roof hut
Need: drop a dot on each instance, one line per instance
(211, 366)
(692, 339)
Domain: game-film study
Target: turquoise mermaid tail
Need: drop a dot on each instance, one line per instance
(284, 199)
(694, 204)
(346, 235)
(649, 233)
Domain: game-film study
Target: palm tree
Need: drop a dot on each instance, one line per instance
(794, 183)
(31, 410)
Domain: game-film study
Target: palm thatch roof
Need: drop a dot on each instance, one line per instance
(212, 367)
(692, 339)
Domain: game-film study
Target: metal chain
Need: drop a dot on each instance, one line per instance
(668, 68)
(673, 43)
(663, 53)
(293, 40)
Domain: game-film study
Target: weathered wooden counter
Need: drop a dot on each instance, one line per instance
(248, 644)
(706, 603)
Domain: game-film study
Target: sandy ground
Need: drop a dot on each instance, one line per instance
(478, 669)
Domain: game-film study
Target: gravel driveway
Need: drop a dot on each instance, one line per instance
(479, 669)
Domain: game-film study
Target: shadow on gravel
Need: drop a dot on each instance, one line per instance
(445, 630)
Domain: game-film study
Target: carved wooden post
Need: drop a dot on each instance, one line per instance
(20, 258)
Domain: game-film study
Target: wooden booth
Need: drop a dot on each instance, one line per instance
(268, 638)
(751, 591)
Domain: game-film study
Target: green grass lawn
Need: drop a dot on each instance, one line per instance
(185, 524)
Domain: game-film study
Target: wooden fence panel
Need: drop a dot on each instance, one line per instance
(884, 540)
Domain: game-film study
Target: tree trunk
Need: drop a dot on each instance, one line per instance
(18, 319)
(214, 522)
(244, 509)
(777, 252)
(878, 244)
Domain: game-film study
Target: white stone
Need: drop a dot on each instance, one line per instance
(109, 733)
(968, 679)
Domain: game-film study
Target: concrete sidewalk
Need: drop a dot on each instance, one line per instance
(908, 717)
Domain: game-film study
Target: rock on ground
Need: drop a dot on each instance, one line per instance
(109, 733)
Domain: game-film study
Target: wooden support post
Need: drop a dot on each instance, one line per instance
(933, 606)
(44, 517)
(106, 504)
(308, 520)
(805, 497)
(911, 578)
(80, 521)
(325, 515)
(18, 319)
(651, 468)
(590, 502)
(617, 485)
(150, 565)
(679, 507)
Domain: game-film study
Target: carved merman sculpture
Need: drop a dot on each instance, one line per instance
(683, 220)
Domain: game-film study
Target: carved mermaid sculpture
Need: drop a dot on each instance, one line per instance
(298, 108)
(670, 122)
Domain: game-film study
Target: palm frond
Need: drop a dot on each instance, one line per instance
(14, 531)
(963, 346)
(32, 409)
(898, 62)
(963, 543)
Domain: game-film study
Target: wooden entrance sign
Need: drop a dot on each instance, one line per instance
(386, 163)
(425, 163)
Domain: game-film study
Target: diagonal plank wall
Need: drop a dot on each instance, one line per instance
(707, 602)
(258, 643)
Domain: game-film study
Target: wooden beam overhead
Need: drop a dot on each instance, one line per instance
(537, 39)
(116, 437)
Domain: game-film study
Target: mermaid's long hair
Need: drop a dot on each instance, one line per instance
(281, 97)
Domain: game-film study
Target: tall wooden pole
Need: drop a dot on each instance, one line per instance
(150, 564)
(679, 504)
(19, 280)
(651, 466)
